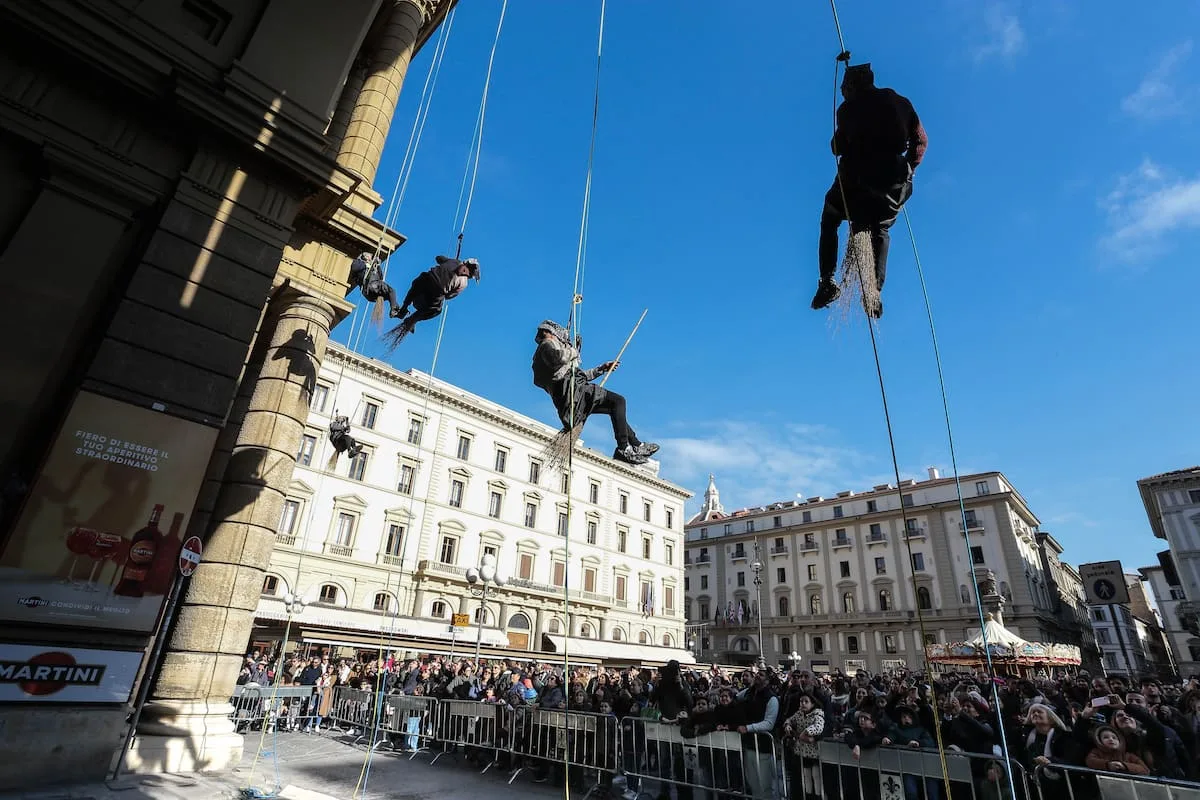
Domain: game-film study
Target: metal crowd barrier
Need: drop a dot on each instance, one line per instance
(901, 771)
(586, 744)
(279, 708)
(406, 723)
(657, 755)
(1081, 783)
(651, 756)
(479, 728)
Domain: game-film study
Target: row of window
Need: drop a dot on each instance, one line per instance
(850, 603)
(817, 644)
(872, 507)
(345, 526)
(358, 465)
(844, 568)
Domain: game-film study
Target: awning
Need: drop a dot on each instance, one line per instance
(618, 651)
(390, 626)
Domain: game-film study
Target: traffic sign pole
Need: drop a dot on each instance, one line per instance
(1131, 673)
(189, 557)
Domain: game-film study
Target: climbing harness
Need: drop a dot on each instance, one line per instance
(844, 57)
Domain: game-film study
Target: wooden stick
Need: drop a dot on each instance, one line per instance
(621, 352)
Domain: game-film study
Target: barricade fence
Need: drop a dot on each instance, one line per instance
(642, 758)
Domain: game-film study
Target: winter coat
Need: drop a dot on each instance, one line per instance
(1101, 757)
(556, 370)
(813, 724)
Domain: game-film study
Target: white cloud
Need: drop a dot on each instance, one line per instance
(1156, 96)
(1004, 36)
(1147, 204)
(757, 463)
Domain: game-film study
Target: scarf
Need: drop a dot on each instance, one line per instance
(1031, 738)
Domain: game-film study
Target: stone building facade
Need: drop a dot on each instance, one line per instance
(185, 184)
(836, 574)
(380, 545)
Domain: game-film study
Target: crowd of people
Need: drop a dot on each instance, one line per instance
(1110, 725)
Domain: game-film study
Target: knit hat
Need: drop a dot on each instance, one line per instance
(554, 329)
(859, 76)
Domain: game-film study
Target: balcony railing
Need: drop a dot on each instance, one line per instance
(739, 554)
(842, 542)
(915, 533)
(390, 560)
(439, 568)
(334, 549)
(780, 550)
(809, 547)
(703, 559)
(876, 538)
(972, 525)
(285, 539)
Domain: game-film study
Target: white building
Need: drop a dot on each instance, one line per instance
(836, 574)
(1172, 502)
(380, 545)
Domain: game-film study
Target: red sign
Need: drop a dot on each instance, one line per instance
(189, 556)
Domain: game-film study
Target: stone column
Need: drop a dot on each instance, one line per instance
(367, 129)
(185, 726)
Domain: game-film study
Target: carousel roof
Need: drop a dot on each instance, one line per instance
(1001, 644)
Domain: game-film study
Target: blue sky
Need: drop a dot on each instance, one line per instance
(1057, 215)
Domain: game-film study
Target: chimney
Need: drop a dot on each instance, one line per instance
(934, 474)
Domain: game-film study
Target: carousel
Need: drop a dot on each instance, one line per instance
(1009, 653)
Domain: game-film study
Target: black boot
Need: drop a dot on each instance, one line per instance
(629, 455)
(827, 292)
(646, 448)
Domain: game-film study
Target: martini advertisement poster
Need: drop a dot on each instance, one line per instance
(97, 543)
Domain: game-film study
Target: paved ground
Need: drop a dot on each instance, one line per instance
(311, 767)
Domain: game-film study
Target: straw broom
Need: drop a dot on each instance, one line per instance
(559, 449)
(857, 280)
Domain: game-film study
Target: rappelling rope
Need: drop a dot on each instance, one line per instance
(396, 200)
(387, 636)
(962, 508)
(844, 57)
(573, 330)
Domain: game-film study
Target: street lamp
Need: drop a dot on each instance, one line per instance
(483, 579)
(757, 566)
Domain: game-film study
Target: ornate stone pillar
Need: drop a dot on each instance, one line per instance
(371, 117)
(185, 727)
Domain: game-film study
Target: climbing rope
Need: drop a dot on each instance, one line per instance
(573, 331)
(323, 470)
(962, 508)
(400, 188)
(844, 57)
(387, 637)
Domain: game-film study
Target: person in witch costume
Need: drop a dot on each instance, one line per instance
(340, 438)
(556, 370)
(879, 141)
(430, 290)
(367, 277)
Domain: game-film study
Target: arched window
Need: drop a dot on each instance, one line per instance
(814, 604)
(848, 603)
(482, 617)
(618, 635)
(924, 601)
(555, 625)
(743, 645)
(667, 641)
(852, 644)
(644, 637)
(270, 585)
(783, 606)
(885, 599)
(438, 610)
(964, 593)
(785, 644)
(585, 630)
(383, 602)
(519, 621)
(329, 594)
